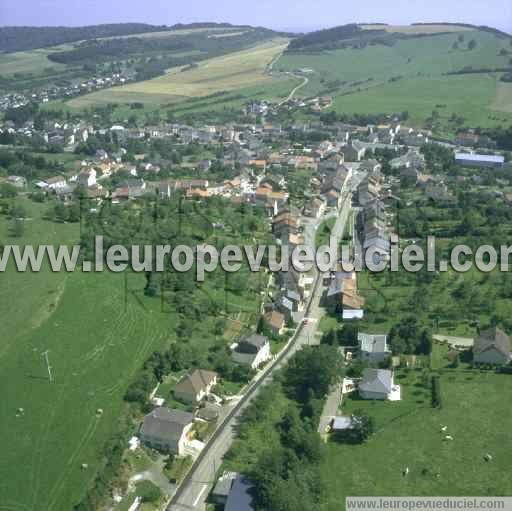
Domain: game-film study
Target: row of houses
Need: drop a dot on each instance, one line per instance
(374, 227)
(75, 88)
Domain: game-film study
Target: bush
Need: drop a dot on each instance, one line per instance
(436, 392)
(8, 191)
(148, 492)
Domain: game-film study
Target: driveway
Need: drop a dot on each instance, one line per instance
(330, 408)
(466, 342)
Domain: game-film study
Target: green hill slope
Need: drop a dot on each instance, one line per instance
(410, 74)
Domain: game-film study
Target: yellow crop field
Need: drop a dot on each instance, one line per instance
(230, 72)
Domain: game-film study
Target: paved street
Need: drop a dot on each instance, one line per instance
(194, 490)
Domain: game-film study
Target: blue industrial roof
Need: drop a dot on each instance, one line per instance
(480, 157)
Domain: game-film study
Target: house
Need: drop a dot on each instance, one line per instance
(55, 182)
(222, 489)
(166, 430)
(492, 347)
(284, 224)
(204, 165)
(314, 208)
(370, 166)
(17, 181)
(101, 154)
(194, 386)
(87, 178)
(336, 181)
(376, 384)
(65, 193)
(342, 295)
(240, 498)
(368, 190)
(252, 351)
(331, 163)
(373, 348)
(275, 321)
(414, 139)
(409, 175)
(292, 291)
(354, 151)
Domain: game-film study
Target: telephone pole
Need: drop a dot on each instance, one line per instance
(48, 366)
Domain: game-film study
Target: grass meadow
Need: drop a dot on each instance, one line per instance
(34, 61)
(408, 434)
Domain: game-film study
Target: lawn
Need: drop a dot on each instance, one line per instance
(409, 435)
(99, 328)
(416, 67)
(232, 72)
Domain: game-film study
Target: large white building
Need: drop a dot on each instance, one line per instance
(479, 160)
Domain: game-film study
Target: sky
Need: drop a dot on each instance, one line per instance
(293, 15)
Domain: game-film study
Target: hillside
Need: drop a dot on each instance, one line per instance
(214, 77)
(454, 70)
(29, 38)
(359, 35)
(14, 39)
(140, 55)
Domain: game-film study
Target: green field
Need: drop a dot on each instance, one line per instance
(409, 435)
(96, 343)
(99, 329)
(34, 61)
(416, 67)
(503, 100)
(229, 73)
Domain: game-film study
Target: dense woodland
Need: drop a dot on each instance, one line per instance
(122, 48)
(28, 38)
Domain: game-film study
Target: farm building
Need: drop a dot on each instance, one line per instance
(479, 160)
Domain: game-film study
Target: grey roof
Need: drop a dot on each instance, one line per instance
(492, 338)
(377, 380)
(373, 343)
(166, 424)
(244, 358)
(196, 381)
(289, 281)
(337, 283)
(342, 423)
(224, 483)
(239, 498)
(255, 340)
(208, 413)
(335, 181)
